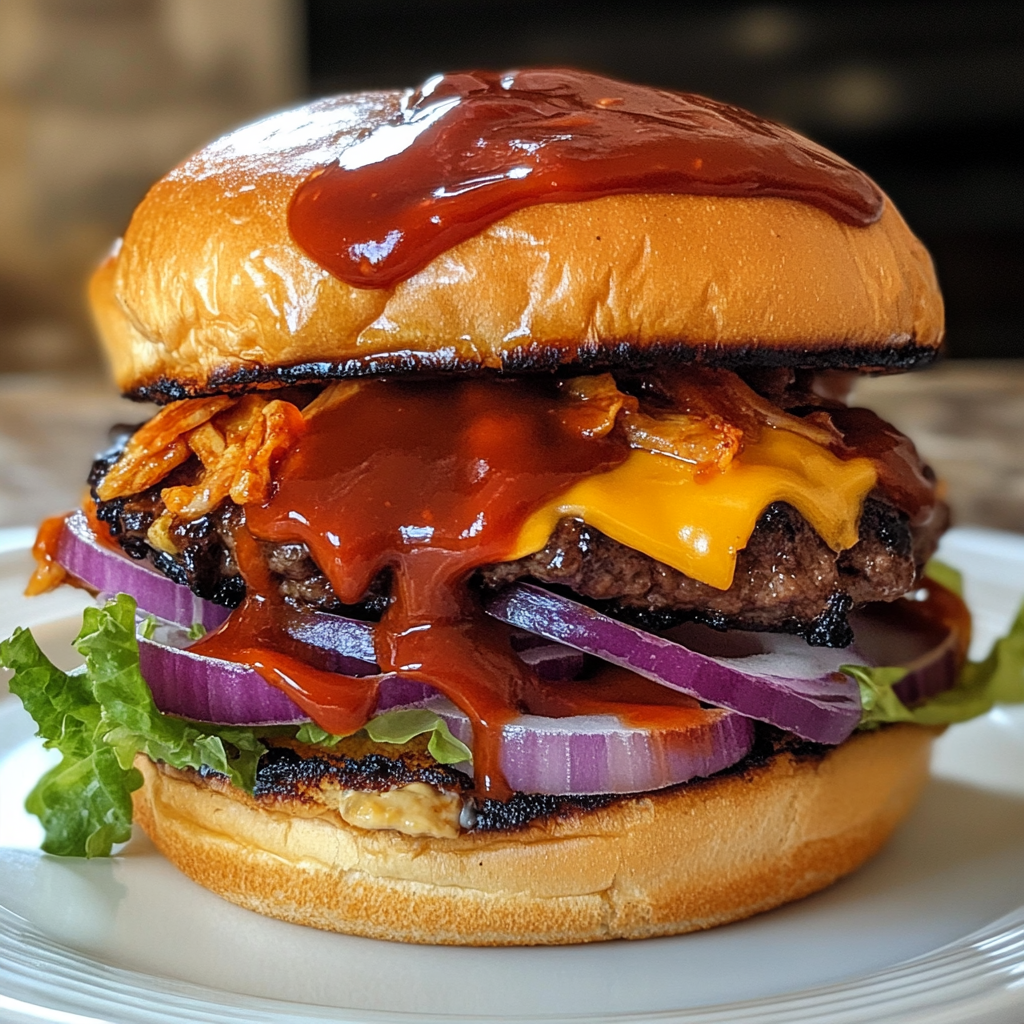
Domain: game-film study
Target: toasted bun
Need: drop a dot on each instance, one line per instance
(692, 857)
(208, 291)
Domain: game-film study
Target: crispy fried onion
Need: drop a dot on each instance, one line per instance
(237, 440)
(711, 414)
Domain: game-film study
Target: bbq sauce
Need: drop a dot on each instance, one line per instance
(465, 150)
(254, 636)
(49, 573)
(902, 476)
(428, 480)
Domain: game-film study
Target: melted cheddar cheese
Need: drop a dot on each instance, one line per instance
(698, 522)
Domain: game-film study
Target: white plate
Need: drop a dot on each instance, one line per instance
(932, 930)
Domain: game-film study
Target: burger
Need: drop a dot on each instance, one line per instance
(504, 564)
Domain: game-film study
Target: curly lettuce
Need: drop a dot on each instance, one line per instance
(101, 715)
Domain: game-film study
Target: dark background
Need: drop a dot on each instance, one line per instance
(927, 98)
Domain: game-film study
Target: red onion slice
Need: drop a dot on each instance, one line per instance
(209, 689)
(591, 754)
(112, 572)
(931, 656)
(586, 754)
(226, 693)
(552, 662)
(349, 642)
(824, 708)
(930, 675)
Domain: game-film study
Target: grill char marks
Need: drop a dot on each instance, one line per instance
(787, 578)
(522, 809)
(296, 771)
(897, 354)
(300, 773)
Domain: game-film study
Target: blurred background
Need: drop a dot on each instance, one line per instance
(100, 97)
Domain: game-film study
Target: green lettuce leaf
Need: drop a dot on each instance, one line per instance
(98, 718)
(946, 576)
(84, 802)
(310, 732)
(999, 679)
(400, 726)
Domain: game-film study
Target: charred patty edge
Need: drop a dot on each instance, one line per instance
(206, 566)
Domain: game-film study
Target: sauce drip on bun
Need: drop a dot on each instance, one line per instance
(465, 150)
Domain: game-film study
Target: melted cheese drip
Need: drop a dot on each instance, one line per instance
(697, 523)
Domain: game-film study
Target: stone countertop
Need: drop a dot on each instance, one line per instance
(966, 417)
(51, 426)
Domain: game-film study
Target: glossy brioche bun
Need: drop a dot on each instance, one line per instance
(209, 292)
(696, 856)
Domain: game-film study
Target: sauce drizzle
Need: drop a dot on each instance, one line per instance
(465, 150)
(902, 476)
(426, 481)
(49, 573)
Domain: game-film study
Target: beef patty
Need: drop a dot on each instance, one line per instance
(787, 578)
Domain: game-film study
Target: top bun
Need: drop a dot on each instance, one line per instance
(208, 292)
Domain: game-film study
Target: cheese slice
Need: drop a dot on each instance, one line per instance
(698, 522)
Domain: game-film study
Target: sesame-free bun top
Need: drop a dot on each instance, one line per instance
(209, 292)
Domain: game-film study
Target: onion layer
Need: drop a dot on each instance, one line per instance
(209, 689)
(930, 675)
(786, 683)
(112, 572)
(593, 754)
(226, 693)
(580, 755)
(824, 708)
(767, 676)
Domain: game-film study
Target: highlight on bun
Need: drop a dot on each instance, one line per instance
(692, 857)
(209, 292)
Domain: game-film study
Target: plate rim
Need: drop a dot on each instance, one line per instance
(951, 977)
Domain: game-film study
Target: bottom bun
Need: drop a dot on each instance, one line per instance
(692, 857)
